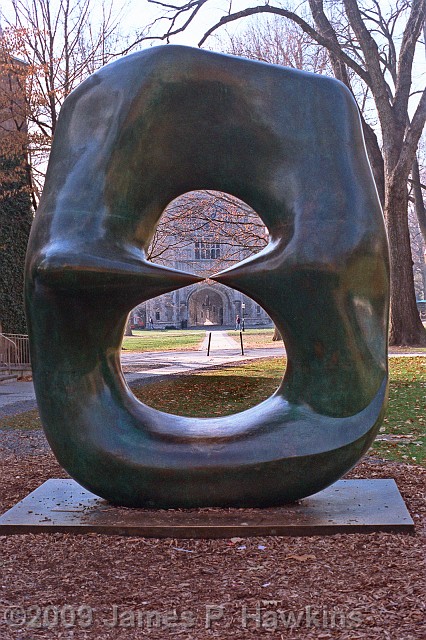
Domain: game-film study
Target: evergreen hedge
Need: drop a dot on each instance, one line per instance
(15, 224)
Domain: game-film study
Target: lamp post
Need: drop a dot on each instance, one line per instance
(243, 308)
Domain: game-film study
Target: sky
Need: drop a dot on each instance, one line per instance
(137, 14)
(141, 12)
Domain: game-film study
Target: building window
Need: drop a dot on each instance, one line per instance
(157, 315)
(207, 250)
(258, 309)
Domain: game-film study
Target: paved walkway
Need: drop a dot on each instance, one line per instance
(220, 340)
(16, 393)
(16, 397)
(224, 349)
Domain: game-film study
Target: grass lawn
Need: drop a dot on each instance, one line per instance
(166, 340)
(214, 393)
(253, 338)
(191, 339)
(234, 388)
(403, 433)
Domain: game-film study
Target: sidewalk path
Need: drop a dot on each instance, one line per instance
(223, 350)
(220, 340)
(16, 397)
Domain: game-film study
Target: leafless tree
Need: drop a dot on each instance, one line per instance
(271, 39)
(209, 218)
(417, 220)
(418, 249)
(373, 46)
(50, 46)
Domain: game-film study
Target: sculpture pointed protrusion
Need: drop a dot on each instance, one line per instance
(126, 273)
(248, 276)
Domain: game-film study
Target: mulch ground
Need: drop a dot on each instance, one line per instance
(101, 587)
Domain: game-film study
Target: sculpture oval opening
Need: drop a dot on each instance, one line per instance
(206, 231)
(203, 232)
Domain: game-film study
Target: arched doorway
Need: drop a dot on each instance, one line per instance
(205, 307)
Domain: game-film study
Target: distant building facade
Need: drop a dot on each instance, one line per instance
(204, 244)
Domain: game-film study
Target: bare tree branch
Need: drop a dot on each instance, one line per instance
(419, 203)
(330, 45)
(61, 48)
(410, 36)
(326, 30)
(369, 47)
(412, 137)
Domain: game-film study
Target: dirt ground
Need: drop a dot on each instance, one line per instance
(110, 587)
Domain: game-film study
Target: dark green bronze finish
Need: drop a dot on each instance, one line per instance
(137, 134)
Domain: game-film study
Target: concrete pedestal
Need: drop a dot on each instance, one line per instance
(348, 506)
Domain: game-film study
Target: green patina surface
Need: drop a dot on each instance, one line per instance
(137, 134)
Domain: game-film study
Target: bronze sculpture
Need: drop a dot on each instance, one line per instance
(131, 138)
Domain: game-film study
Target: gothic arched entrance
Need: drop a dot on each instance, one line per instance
(205, 307)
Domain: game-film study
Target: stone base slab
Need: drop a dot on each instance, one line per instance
(348, 506)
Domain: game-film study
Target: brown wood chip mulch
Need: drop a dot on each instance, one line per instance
(101, 587)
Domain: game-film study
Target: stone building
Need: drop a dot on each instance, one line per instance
(203, 233)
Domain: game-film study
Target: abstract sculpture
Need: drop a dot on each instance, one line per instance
(130, 139)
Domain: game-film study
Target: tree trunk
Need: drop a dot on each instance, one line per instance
(277, 336)
(424, 275)
(128, 329)
(418, 198)
(420, 209)
(406, 328)
(376, 160)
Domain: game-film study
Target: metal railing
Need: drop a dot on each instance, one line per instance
(14, 352)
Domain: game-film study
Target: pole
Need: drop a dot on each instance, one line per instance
(208, 345)
(241, 340)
